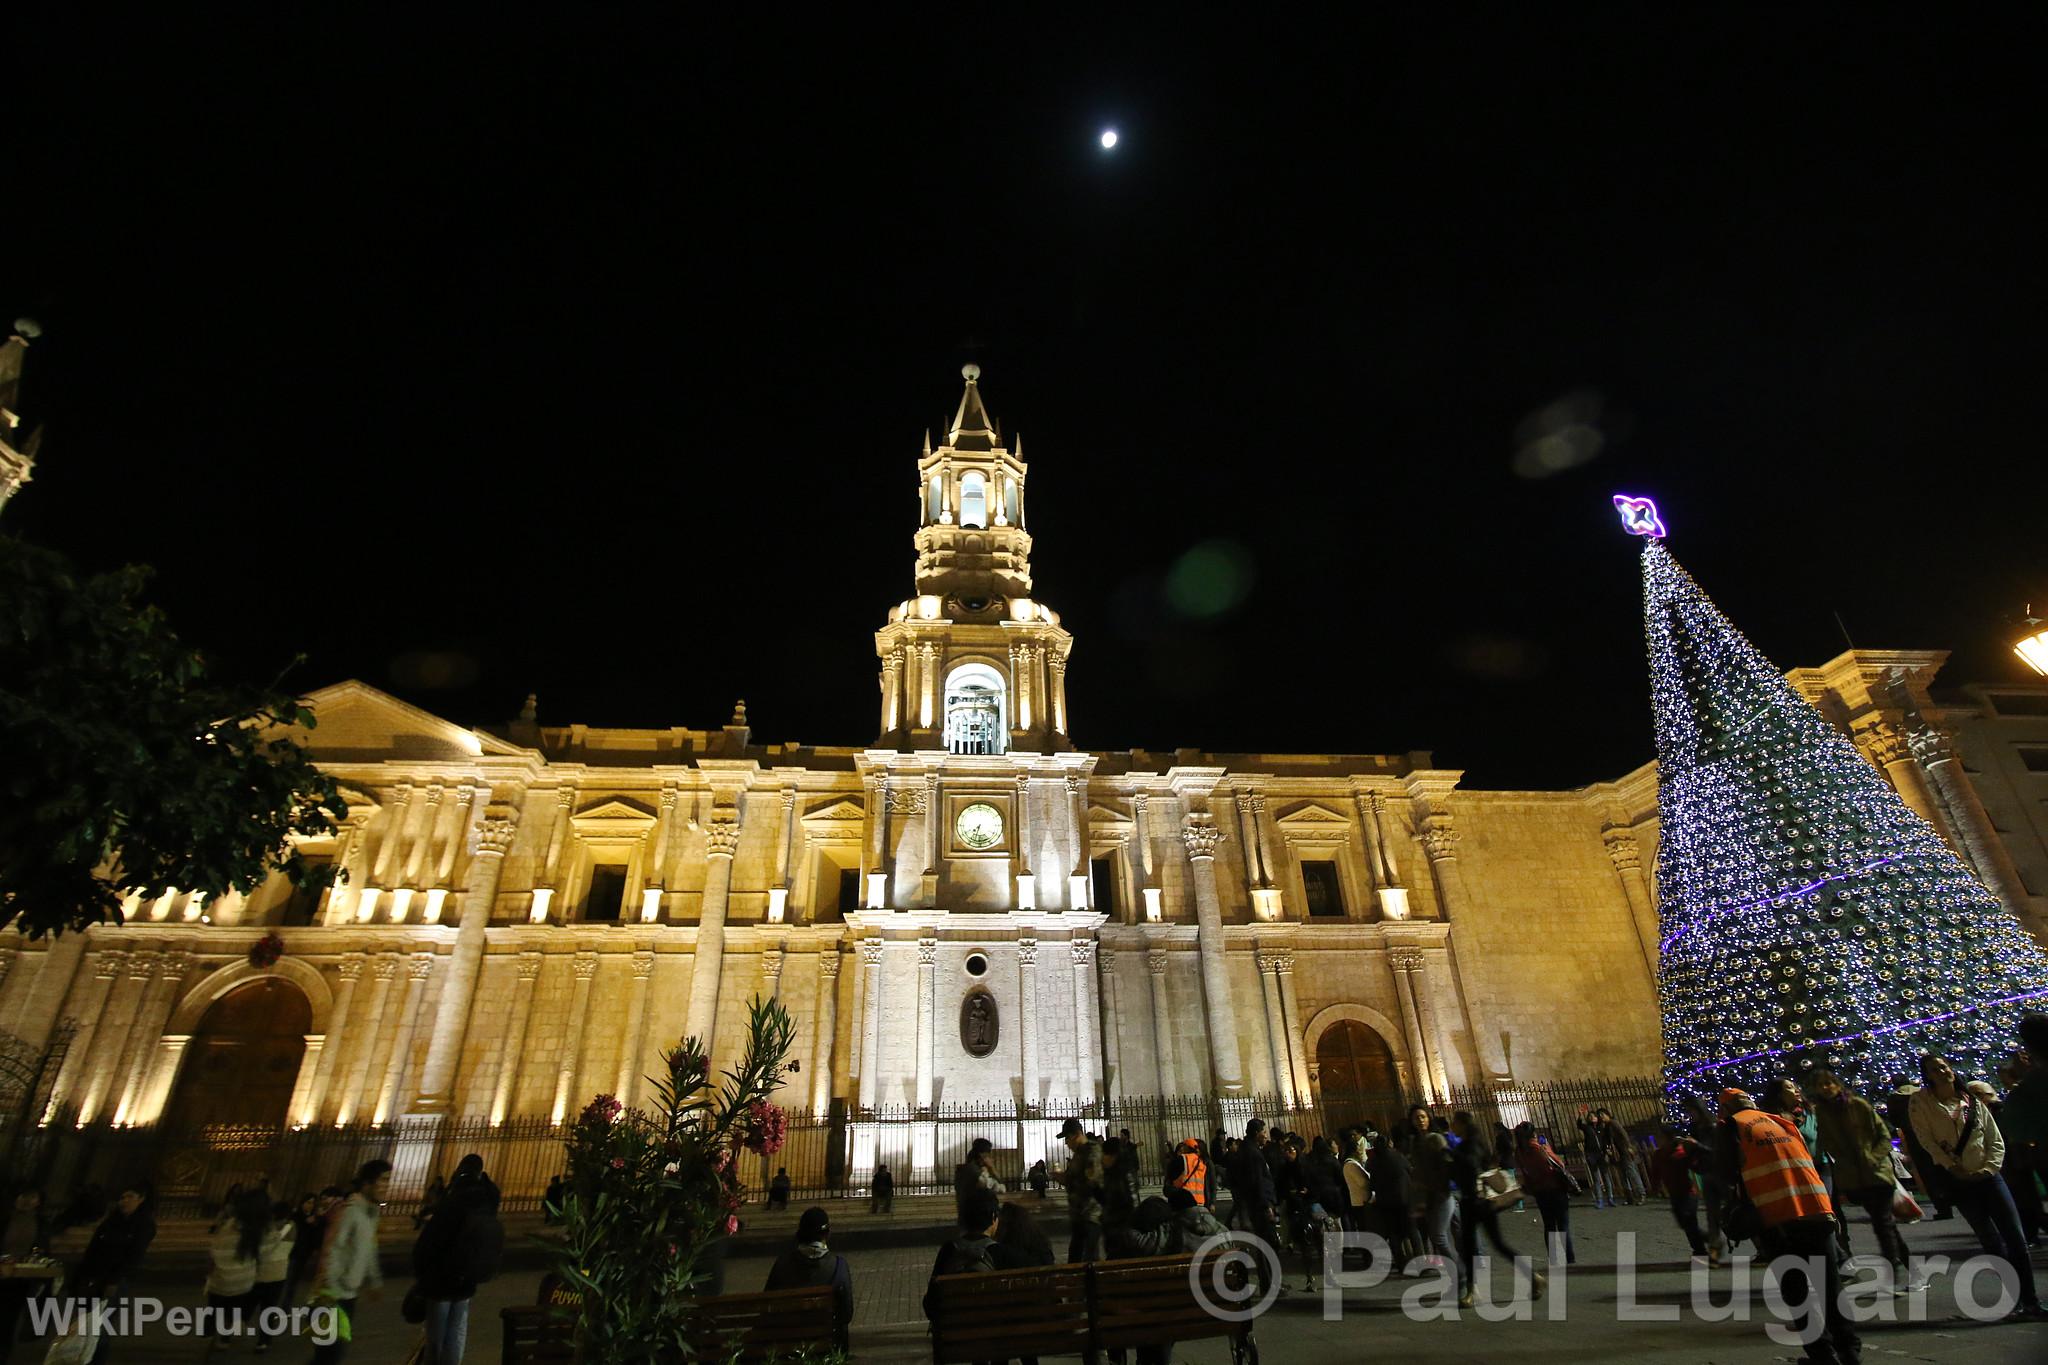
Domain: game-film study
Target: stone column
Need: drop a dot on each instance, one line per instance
(1290, 1019)
(1276, 1029)
(1247, 833)
(1432, 1031)
(1141, 861)
(827, 1031)
(1022, 841)
(1886, 746)
(1980, 845)
(1058, 664)
(1162, 1027)
(1087, 1059)
(110, 1083)
(515, 1036)
(1628, 866)
(722, 840)
(1106, 1000)
(628, 1088)
(347, 849)
(300, 1113)
(1262, 831)
(927, 1005)
(932, 714)
(1201, 836)
(72, 1076)
(572, 1044)
(558, 834)
(417, 971)
(871, 1020)
(1406, 962)
(892, 682)
(337, 1034)
(493, 840)
(664, 825)
(357, 1078)
(1027, 1013)
(783, 837)
(1078, 895)
(1440, 843)
(771, 971)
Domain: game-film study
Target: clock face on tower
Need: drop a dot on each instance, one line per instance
(979, 826)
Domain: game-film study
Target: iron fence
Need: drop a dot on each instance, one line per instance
(836, 1154)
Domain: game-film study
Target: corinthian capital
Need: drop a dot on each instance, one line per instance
(1200, 833)
(494, 837)
(1885, 743)
(1439, 839)
(1622, 850)
(1405, 959)
(722, 837)
(1932, 746)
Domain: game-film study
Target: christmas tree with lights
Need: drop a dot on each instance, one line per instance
(1809, 918)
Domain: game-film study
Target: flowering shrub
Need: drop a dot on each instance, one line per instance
(265, 951)
(650, 1191)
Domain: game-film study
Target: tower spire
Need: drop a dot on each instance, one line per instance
(973, 428)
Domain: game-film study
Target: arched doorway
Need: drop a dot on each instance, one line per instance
(243, 1060)
(1358, 1079)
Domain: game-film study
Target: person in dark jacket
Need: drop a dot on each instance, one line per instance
(459, 1249)
(973, 1173)
(1393, 1194)
(1019, 1231)
(882, 1190)
(779, 1188)
(26, 1233)
(812, 1262)
(116, 1249)
(1475, 1205)
(974, 1248)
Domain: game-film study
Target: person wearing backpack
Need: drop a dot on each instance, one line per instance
(459, 1249)
(813, 1262)
(974, 1250)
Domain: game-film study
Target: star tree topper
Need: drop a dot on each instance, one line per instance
(1639, 516)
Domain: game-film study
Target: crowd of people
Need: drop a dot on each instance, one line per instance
(266, 1253)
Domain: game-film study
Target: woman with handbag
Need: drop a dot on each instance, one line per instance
(1550, 1185)
(1958, 1131)
(1476, 1208)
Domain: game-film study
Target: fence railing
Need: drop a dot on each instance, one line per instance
(836, 1155)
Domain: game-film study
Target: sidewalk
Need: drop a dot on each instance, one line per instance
(1578, 1321)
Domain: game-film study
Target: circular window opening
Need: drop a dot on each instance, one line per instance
(977, 964)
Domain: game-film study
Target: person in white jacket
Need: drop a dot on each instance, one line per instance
(349, 1268)
(273, 1268)
(236, 1248)
(1958, 1131)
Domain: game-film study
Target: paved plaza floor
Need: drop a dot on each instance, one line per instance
(1581, 1319)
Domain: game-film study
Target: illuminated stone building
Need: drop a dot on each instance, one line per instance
(970, 910)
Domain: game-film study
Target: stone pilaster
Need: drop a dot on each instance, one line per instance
(110, 1092)
(338, 1033)
(384, 969)
(416, 973)
(1201, 836)
(1162, 1026)
(429, 820)
(444, 864)
(521, 1013)
(826, 1035)
(633, 1048)
(1290, 1020)
(1027, 1013)
(1979, 843)
(771, 972)
(1087, 1058)
(395, 812)
(1276, 1028)
(568, 1097)
(871, 1020)
(74, 1079)
(1628, 867)
(1109, 1007)
(927, 1022)
(1405, 962)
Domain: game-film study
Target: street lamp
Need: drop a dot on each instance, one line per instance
(2033, 646)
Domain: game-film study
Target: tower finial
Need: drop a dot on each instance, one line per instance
(970, 372)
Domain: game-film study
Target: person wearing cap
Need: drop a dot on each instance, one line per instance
(812, 1262)
(1765, 1156)
(1961, 1134)
(973, 1173)
(1083, 1178)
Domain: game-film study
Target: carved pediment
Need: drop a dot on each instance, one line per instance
(613, 815)
(1314, 818)
(836, 813)
(357, 723)
(1108, 817)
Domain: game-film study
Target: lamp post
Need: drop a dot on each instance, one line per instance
(2033, 646)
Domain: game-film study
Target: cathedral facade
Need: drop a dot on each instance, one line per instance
(968, 912)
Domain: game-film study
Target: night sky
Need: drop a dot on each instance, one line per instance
(593, 361)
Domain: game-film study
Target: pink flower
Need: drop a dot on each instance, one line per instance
(732, 1224)
(766, 1128)
(603, 1109)
(618, 1163)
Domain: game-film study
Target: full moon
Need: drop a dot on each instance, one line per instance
(1108, 138)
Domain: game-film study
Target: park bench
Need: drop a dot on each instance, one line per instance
(1070, 1309)
(763, 1324)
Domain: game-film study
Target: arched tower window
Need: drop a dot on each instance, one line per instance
(977, 718)
(973, 500)
(931, 502)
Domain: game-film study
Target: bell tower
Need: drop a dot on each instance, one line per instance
(972, 664)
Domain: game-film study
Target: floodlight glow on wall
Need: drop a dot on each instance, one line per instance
(1027, 891)
(1153, 910)
(401, 901)
(878, 887)
(1077, 892)
(435, 899)
(192, 904)
(1266, 903)
(650, 905)
(366, 904)
(1393, 902)
(2033, 647)
(541, 896)
(778, 903)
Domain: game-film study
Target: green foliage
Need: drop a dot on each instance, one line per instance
(651, 1191)
(123, 764)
